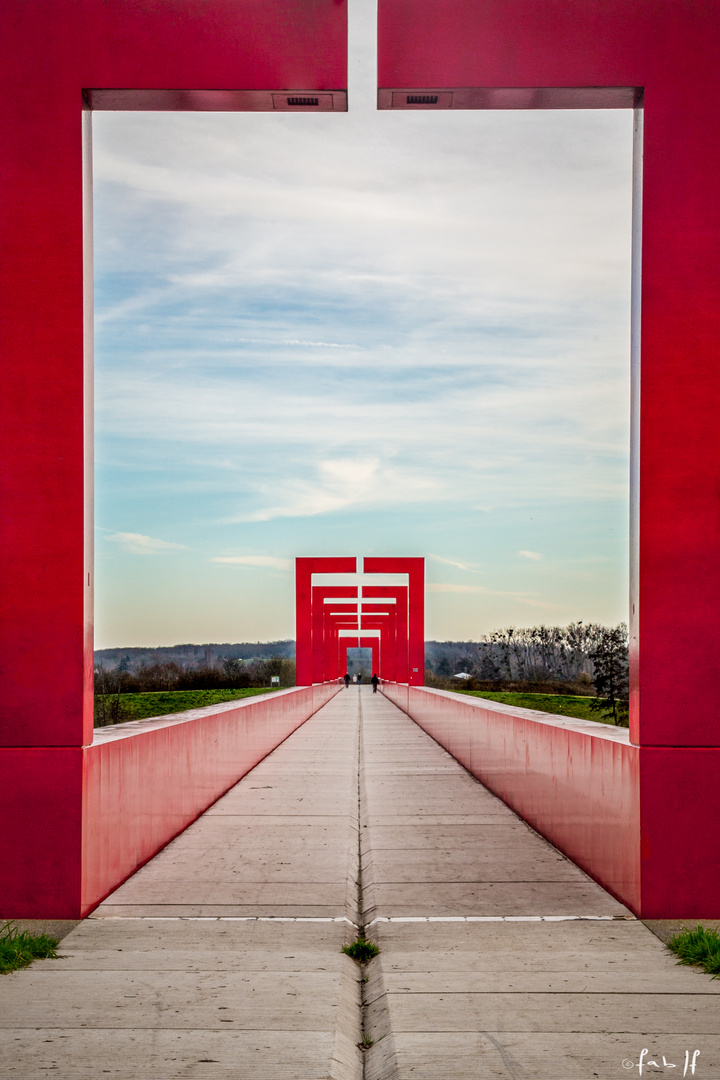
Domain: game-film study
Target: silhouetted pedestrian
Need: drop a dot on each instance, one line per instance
(375, 682)
(347, 680)
(359, 678)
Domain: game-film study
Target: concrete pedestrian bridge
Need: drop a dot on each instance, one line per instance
(222, 956)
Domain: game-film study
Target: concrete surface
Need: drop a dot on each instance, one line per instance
(223, 956)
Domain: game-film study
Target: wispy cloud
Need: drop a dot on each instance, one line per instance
(341, 484)
(453, 562)
(534, 555)
(447, 587)
(138, 544)
(529, 598)
(254, 560)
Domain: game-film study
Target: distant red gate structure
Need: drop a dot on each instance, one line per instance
(388, 618)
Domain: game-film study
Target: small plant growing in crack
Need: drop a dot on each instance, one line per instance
(366, 1043)
(361, 950)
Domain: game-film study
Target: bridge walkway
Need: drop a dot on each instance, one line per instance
(222, 956)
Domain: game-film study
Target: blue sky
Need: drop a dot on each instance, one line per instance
(361, 333)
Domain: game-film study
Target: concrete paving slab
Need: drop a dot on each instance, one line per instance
(527, 980)
(204, 999)
(622, 947)
(457, 837)
(276, 910)
(489, 898)
(548, 1012)
(175, 1054)
(469, 862)
(501, 1055)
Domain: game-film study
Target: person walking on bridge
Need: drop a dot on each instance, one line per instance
(375, 682)
(346, 680)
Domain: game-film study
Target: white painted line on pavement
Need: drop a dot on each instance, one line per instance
(500, 918)
(224, 918)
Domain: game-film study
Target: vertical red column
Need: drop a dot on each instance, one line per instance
(304, 570)
(331, 613)
(388, 624)
(400, 595)
(415, 569)
(324, 661)
(373, 644)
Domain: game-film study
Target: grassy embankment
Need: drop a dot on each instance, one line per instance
(557, 704)
(141, 706)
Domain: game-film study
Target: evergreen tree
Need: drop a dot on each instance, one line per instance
(610, 658)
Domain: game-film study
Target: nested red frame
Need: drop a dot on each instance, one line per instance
(395, 610)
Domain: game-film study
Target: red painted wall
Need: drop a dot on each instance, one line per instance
(304, 570)
(619, 811)
(415, 569)
(78, 820)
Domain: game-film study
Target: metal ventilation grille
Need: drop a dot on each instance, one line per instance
(416, 99)
(308, 100)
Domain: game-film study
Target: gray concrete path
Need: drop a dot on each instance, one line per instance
(222, 957)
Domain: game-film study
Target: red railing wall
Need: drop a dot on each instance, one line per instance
(624, 813)
(101, 811)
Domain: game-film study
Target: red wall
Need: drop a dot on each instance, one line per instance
(621, 812)
(78, 820)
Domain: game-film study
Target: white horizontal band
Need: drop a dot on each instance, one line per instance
(500, 918)
(224, 918)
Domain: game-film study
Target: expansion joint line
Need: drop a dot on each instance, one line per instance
(360, 898)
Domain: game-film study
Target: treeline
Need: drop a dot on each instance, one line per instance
(192, 656)
(582, 658)
(535, 654)
(225, 674)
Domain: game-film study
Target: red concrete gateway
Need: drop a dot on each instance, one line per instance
(380, 605)
(80, 815)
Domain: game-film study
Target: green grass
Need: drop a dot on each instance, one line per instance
(361, 950)
(18, 950)
(700, 947)
(158, 703)
(557, 704)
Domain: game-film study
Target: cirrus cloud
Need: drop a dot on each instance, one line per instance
(268, 561)
(138, 544)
